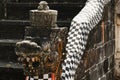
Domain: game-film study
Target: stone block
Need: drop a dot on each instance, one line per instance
(100, 69)
(110, 75)
(43, 18)
(92, 56)
(85, 77)
(101, 53)
(105, 66)
(81, 71)
(93, 74)
(86, 60)
(111, 62)
(109, 48)
(103, 78)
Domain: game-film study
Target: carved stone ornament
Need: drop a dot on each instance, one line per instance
(42, 49)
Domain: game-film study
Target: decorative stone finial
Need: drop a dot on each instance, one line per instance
(43, 5)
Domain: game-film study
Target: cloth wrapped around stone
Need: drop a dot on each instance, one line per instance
(80, 28)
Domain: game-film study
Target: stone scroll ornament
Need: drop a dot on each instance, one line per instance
(80, 28)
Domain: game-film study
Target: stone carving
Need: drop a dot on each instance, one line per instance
(43, 16)
(41, 52)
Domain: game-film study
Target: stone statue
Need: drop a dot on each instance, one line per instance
(41, 52)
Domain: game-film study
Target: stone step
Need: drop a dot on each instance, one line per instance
(8, 42)
(23, 23)
(13, 65)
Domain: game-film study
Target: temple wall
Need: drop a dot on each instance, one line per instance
(98, 60)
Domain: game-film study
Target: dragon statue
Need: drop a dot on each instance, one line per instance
(48, 52)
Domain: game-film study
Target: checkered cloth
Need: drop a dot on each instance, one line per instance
(49, 76)
(80, 28)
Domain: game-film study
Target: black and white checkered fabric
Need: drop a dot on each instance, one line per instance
(41, 77)
(81, 26)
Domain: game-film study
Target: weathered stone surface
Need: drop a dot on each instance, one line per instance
(94, 74)
(110, 75)
(105, 66)
(100, 70)
(43, 18)
(118, 7)
(37, 34)
(111, 62)
(98, 58)
(51, 43)
(103, 78)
